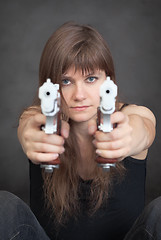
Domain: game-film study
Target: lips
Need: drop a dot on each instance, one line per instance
(79, 108)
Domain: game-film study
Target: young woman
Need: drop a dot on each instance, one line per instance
(80, 200)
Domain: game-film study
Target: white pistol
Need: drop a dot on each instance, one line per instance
(50, 107)
(108, 94)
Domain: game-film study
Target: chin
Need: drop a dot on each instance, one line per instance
(80, 118)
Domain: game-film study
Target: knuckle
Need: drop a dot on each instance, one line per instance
(36, 158)
(37, 117)
(97, 135)
(29, 155)
(126, 151)
(44, 138)
(57, 140)
(26, 135)
(43, 147)
(95, 144)
(113, 145)
(62, 150)
(114, 135)
(61, 140)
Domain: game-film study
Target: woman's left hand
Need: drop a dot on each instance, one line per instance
(117, 143)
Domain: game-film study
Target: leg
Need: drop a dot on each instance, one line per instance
(148, 225)
(17, 221)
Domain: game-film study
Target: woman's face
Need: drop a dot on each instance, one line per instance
(81, 93)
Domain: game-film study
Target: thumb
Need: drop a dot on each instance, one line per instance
(92, 126)
(65, 129)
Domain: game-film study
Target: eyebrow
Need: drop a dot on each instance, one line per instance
(85, 75)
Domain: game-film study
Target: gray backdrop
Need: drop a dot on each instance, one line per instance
(132, 29)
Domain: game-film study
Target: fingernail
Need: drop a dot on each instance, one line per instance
(98, 151)
(55, 155)
(63, 150)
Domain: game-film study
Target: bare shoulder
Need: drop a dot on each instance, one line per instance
(139, 110)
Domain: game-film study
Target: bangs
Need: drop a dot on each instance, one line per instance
(75, 46)
(85, 58)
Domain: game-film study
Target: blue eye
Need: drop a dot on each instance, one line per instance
(65, 82)
(91, 79)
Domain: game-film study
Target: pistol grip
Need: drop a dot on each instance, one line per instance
(105, 160)
(106, 163)
(49, 166)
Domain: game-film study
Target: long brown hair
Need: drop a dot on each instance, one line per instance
(84, 48)
(78, 45)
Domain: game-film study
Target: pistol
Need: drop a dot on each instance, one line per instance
(50, 107)
(108, 93)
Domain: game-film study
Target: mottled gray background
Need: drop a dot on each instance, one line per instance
(132, 29)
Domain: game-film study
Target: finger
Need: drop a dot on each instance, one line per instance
(38, 120)
(65, 129)
(118, 118)
(112, 154)
(116, 134)
(102, 136)
(92, 126)
(48, 148)
(111, 145)
(38, 158)
(41, 136)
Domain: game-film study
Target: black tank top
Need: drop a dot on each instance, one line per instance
(112, 221)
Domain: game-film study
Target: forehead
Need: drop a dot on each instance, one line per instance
(73, 71)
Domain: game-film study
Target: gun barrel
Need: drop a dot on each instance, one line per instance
(50, 107)
(108, 93)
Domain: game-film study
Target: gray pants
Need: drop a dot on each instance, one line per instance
(148, 225)
(17, 222)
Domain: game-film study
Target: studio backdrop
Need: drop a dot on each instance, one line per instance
(132, 30)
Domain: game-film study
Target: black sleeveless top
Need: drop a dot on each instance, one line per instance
(112, 221)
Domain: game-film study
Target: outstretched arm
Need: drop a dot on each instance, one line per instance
(37, 145)
(134, 134)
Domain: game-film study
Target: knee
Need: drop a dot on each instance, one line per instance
(6, 198)
(148, 224)
(154, 207)
(16, 217)
(152, 214)
(9, 203)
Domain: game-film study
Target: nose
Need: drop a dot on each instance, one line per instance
(79, 92)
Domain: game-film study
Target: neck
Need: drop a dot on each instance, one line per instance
(86, 164)
(80, 128)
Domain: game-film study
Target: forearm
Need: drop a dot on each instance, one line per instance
(143, 133)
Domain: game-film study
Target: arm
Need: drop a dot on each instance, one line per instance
(143, 124)
(134, 134)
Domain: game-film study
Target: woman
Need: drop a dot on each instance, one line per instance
(80, 200)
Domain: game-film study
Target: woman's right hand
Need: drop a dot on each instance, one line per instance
(37, 145)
